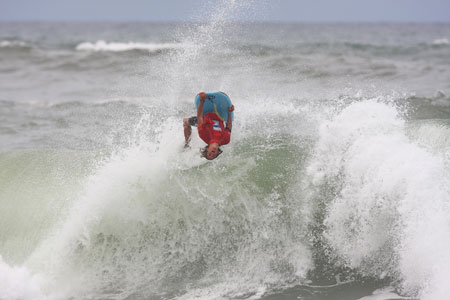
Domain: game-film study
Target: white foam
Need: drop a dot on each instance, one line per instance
(17, 283)
(225, 291)
(103, 46)
(433, 135)
(383, 294)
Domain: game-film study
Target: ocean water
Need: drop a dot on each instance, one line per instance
(336, 183)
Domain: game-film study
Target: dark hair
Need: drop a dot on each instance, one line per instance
(203, 152)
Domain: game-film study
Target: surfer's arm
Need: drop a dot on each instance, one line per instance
(200, 108)
(230, 118)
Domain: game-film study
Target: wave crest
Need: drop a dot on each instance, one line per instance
(441, 42)
(13, 44)
(103, 46)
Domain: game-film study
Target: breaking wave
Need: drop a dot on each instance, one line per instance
(102, 46)
(386, 212)
(440, 42)
(13, 44)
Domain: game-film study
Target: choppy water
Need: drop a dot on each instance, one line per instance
(336, 182)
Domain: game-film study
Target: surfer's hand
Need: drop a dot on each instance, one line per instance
(231, 109)
(202, 96)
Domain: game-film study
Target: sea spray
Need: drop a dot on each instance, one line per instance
(190, 68)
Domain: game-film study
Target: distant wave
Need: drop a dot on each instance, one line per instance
(13, 44)
(102, 46)
(440, 42)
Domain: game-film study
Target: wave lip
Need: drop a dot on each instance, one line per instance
(103, 46)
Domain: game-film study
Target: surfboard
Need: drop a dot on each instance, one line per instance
(217, 102)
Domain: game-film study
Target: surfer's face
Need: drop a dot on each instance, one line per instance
(212, 151)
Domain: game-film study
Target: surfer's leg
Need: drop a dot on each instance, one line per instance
(187, 130)
(187, 123)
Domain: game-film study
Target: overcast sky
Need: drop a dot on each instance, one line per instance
(260, 10)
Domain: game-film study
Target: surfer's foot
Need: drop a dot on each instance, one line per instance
(187, 146)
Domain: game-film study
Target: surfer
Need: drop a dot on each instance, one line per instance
(211, 129)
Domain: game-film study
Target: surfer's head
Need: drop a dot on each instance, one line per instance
(211, 151)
